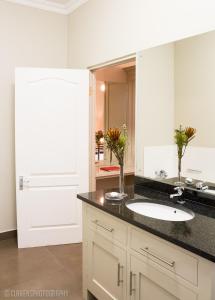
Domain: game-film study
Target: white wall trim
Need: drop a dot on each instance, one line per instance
(73, 5)
(48, 5)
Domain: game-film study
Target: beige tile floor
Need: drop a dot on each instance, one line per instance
(24, 272)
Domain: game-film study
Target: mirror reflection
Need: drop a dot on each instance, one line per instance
(175, 120)
(115, 108)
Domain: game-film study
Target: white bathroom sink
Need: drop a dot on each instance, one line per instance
(160, 211)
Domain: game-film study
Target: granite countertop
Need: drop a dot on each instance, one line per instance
(196, 235)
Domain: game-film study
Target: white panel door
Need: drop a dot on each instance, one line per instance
(52, 163)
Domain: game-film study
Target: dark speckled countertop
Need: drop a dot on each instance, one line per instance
(196, 235)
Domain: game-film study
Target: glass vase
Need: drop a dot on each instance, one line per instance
(117, 196)
(122, 181)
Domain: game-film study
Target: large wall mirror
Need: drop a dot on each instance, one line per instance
(176, 87)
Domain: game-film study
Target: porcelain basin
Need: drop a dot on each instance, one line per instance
(160, 211)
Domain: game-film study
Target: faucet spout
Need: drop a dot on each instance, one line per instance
(179, 192)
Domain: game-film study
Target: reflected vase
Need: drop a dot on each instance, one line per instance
(179, 182)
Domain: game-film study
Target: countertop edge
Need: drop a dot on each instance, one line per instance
(152, 231)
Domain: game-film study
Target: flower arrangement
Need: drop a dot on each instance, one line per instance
(116, 143)
(99, 140)
(99, 136)
(183, 136)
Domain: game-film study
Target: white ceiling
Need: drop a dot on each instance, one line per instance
(58, 6)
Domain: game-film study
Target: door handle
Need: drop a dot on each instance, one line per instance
(131, 289)
(23, 182)
(118, 275)
(20, 183)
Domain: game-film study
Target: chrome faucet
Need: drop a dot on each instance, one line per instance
(179, 193)
(200, 185)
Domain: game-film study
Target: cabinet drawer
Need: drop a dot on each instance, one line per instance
(173, 259)
(106, 225)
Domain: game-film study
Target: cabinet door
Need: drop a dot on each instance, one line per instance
(107, 268)
(149, 283)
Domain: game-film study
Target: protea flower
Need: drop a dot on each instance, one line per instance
(116, 143)
(190, 133)
(99, 136)
(113, 134)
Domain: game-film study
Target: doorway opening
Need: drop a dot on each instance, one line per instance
(114, 107)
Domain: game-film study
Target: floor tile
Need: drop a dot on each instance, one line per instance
(44, 269)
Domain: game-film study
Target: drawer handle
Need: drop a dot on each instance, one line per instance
(103, 226)
(169, 263)
(118, 275)
(131, 289)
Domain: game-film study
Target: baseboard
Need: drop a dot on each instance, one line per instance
(8, 234)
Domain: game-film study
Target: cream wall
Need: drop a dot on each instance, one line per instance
(154, 118)
(99, 30)
(194, 86)
(28, 38)
(100, 107)
(156, 92)
(192, 89)
(102, 30)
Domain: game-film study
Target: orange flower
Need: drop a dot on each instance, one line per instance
(190, 132)
(113, 134)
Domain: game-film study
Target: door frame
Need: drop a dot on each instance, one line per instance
(92, 109)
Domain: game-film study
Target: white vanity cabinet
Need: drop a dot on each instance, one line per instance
(123, 262)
